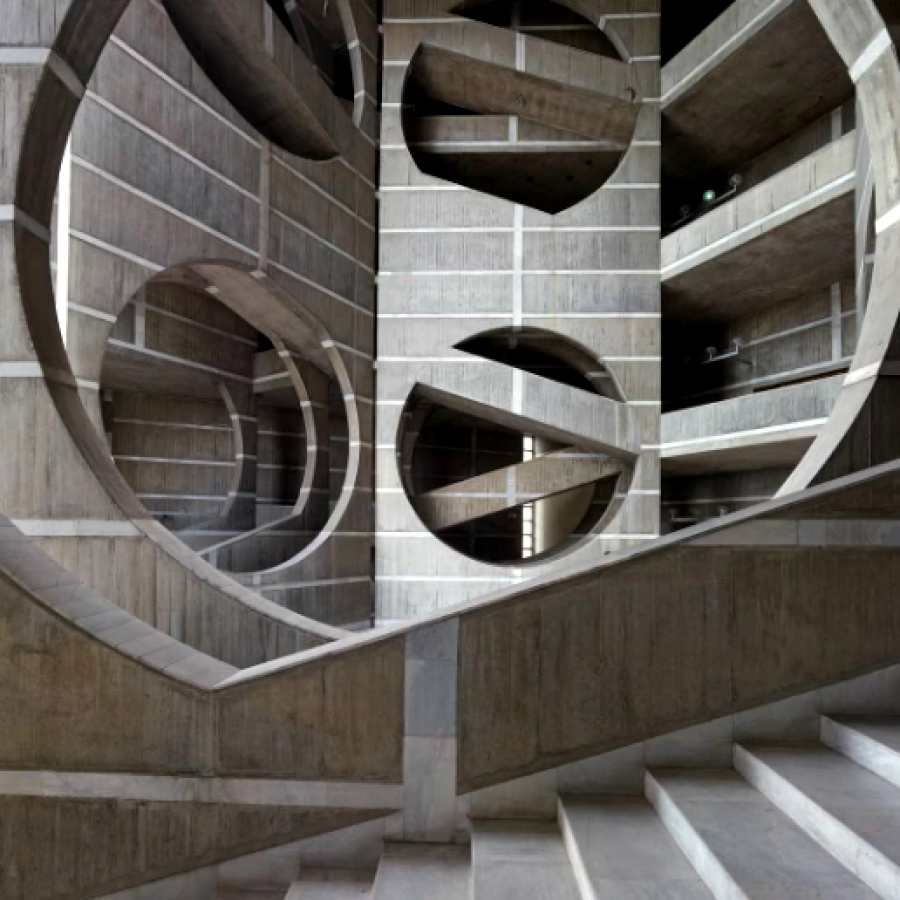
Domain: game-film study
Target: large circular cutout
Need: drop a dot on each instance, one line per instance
(503, 494)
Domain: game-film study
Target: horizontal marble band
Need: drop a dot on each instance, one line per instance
(176, 789)
(76, 528)
(881, 44)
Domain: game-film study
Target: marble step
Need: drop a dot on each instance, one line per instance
(620, 849)
(331, 885)
(521, 861)
(238, 894)
(870, 741)
(741, 844)
(849, 810)
(435, 872)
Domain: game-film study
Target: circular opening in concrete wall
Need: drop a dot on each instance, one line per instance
(505, 487)
(228, 437)
(293, 70)
(504, 121)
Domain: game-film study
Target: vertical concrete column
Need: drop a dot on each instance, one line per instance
(457, 263)
(429, 743)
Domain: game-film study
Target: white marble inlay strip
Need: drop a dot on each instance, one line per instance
(186, 789)
(609, 315)
(169, 145)
(456, 579)
(204, 498)
(870, 55)
(890, 218)
(528, 229)
(21, 370)
(732, 237)
(738, 435)
(484, 273)
(118, 42)
(153, 201)
(306, 585)
(92, 313)
(166, 461)
(863, 374)
(177, 360)
(115, 251)
(11, 213)
(146, 423)
(24, 56)
(76, 528)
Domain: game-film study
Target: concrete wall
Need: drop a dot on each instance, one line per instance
(163, 171)
(456, 262)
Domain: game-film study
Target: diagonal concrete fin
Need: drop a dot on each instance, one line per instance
(513, 486)
(530, 403)
(486, 87)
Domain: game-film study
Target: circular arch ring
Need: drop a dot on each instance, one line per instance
(266, 306)
(81, 38)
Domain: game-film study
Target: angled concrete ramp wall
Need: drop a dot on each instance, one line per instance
(121, 761)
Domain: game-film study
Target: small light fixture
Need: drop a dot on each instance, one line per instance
(709, 196)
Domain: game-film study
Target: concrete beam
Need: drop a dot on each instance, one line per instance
(534, 405)
(752, 79)
(772, 429)
(513, 486)
(485, 87)
(783, 238)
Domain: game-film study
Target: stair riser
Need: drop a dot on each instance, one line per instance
(575, 857)
(863, 750)
(855, 854)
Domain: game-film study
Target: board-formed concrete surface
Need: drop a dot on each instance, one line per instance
(183, 725)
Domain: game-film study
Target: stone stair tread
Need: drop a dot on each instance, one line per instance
(762, 851)
(862, 801)
(436, 872)
(521, 861)
(883, 729)
(623, 851)
(336, 885)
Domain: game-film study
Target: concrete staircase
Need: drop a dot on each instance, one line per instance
(788, 821)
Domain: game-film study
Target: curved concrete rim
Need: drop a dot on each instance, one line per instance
(883, 306)
(80, 40)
